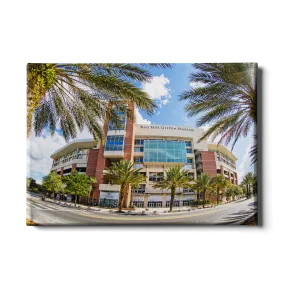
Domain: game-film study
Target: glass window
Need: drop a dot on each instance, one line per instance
(188, 144)
(114, 143)
(164, 151)
(189, 160)
(113, 127)
(155, 176)
(139, 142)
(138, 159)
(189, 150)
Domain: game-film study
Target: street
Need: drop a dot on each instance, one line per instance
(47, 213)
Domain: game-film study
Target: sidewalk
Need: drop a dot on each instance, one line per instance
(136, 211)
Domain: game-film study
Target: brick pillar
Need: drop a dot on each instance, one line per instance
(61, 172)
(73, 166)
(101, 163)
(235, 175)
(129, 149)
(91, 167)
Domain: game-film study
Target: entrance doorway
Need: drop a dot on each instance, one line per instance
(112, 203)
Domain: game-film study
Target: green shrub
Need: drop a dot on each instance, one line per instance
(199, 202)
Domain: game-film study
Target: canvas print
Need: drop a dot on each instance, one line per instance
(141, 144)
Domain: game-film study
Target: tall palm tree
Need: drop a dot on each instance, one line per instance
(219, 183)
(226, 97)
(124, 174)
(248, 182)
(175, 177)
(203, 184)
(71, 96)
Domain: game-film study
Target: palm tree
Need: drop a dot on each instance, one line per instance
(203, 184)
(175, 177)
(248, 182)
(71, 96)
(226, 96)
(219, 183)
(124, 174)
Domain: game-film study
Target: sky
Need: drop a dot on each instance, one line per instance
(164, 88)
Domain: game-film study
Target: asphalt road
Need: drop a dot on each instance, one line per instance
(49, 214)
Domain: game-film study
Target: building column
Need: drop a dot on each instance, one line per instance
(61, 171)
(145, 202)
(164, 200)
(101, 163)
(222, 171)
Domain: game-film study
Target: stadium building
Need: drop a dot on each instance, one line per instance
(153, 148)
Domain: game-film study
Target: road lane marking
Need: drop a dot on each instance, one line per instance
(142, 218)
(158, 217)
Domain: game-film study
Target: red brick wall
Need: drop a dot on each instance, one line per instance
(92, 162)
(100, 165)
(209, 163)
(235, 176)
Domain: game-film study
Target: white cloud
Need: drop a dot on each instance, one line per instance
(158, 90)
(40, 148)
(245, 165)
(195, 85)
(140, 119)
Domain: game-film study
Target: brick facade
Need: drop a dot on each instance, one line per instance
(209, 163)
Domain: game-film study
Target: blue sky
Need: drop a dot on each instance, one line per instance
(165, 87)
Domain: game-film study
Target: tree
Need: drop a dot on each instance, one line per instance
(237, 191)
(203, 184)
(77, 184)
(175, 177)
(124, 174)
(71, 96)
(240, 191)
(226, 96)
(247, 182)
(28, 183)
(233, 191)
(229, 193)
(219, 183)
(52, 182)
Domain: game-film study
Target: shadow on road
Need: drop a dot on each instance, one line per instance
(235, 217)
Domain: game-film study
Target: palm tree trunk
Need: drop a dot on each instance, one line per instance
(204, 198)
(218, 193)
(247, 191)
(132, 196)
(75, 200)
(172, 199)
(122, 192)
(54, 196)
